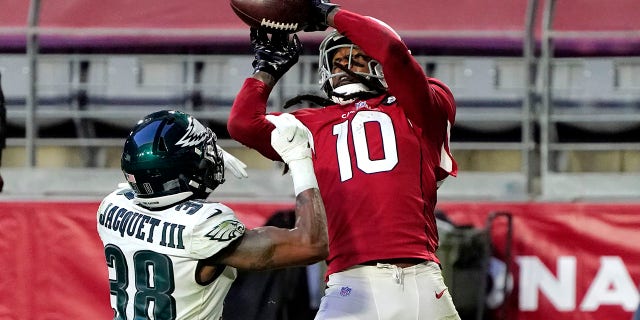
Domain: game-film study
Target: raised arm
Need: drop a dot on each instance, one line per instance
(273, 57)
(271, 247)
(425, 103)
(404, 75)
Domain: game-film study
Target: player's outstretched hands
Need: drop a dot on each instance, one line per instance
(320, 10)
(275, 55)
(289, 138)
(233, 164)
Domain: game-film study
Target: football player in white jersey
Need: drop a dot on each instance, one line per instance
(171, 254)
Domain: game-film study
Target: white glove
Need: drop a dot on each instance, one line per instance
(302, 126)
(233, 164)
(289, 138)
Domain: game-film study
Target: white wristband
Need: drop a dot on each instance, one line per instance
(303, 175)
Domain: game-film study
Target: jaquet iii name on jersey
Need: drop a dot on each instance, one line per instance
(156, 231)
(145, 228)
(142, 227)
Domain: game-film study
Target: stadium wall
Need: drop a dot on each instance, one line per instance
(480, 25)
(569, 260)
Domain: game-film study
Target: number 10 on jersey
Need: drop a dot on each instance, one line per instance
(356, 127)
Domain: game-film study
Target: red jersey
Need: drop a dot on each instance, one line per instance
(377, 161)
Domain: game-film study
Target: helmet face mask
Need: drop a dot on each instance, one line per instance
(170, 156)
(328, 48)
(372, 82)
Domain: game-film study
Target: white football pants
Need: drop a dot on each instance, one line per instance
(387, 292)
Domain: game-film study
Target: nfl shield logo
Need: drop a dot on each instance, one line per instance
(345, 291)
(361, 104)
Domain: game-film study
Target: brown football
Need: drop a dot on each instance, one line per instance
(287, 16)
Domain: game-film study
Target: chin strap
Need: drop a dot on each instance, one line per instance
(348, 93)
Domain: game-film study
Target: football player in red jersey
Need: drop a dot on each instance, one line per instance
(381, 148)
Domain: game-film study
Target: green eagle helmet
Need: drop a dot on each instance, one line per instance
(170, 156)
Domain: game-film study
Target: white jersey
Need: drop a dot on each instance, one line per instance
(152, 257)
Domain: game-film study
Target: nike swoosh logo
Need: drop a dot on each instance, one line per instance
(439, 295)
(293, 135)
(215, 213)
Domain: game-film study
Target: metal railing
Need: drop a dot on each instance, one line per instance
(534, 94)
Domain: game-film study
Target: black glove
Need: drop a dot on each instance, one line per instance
(320, 10)
(274, 56)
